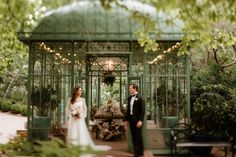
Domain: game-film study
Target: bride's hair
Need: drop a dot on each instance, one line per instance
(74, 94)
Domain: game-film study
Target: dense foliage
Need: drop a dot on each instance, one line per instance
(208, 29)
(11, 106)
(213, 100)
(19, 146)
(15, 16)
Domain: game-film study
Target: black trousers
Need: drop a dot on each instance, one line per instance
(137, 138)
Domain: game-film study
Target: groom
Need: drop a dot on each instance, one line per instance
(135, 115)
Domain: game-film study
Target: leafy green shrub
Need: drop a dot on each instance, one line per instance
(18, 96)
(213, 113)
(18, 93)
(209, 111)
(1, 103)
(15, 108)
(213, 79)
(24, 111)
(57, 148)
(6, 106)
(53, 148)
(213, 102)
(17, 146)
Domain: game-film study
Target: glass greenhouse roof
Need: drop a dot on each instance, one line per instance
(88, 20)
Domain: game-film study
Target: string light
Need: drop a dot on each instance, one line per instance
(57, 56)
(161, 57)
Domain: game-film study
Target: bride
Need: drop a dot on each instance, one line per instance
(77, 131)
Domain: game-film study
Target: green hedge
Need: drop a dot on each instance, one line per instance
(16, 108)
(24, 110)
(6, 106)
(0, 103)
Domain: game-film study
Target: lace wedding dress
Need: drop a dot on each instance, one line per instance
(77, 131)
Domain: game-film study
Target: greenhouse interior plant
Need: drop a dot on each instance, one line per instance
(45, 101)
(169, 102)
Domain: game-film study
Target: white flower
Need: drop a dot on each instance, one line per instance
(136, 99)
(75, 113)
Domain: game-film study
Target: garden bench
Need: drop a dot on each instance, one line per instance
(182, 137)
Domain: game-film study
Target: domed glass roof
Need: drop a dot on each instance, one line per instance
(88, 20)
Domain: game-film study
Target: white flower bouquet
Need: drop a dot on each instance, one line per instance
(75, 113)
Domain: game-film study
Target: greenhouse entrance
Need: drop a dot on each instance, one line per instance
(106, 87)
(104, 72)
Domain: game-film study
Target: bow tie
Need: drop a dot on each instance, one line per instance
(133, 95)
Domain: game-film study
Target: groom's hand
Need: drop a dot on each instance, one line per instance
(126, 125)
(139, 124)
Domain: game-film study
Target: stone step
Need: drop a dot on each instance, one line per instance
(148, 153)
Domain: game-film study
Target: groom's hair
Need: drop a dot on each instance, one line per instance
(135, 86)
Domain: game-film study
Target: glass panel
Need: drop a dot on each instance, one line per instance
(51, 80)
(166, 98)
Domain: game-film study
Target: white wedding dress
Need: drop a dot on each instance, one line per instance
(77, 131)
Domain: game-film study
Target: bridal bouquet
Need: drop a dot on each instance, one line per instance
(75, 113)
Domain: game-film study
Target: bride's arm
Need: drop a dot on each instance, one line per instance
(68, 108)
(84, 114)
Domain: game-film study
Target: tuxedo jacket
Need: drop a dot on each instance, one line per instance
(138, 109)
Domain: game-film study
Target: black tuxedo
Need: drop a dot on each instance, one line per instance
(138, 115)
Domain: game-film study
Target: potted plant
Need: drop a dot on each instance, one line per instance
(44, 101)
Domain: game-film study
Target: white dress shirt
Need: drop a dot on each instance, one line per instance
(132, 103)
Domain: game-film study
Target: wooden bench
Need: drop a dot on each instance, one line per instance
(182, 138)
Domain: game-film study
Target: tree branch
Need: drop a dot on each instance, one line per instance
(12, 80)
(234, 47)
(208, 55)
(228, 65)
(215, 56)
(216, 59)
(234, 61)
